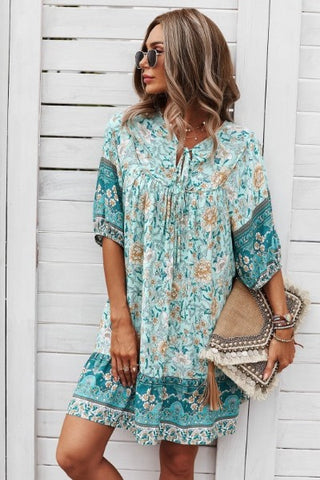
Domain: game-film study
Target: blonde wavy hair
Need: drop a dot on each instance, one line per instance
(198, 68)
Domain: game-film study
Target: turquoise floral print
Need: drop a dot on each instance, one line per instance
(186, 231)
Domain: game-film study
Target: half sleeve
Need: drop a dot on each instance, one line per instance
(107, 205)
(256, 244)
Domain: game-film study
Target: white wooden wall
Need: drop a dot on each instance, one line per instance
(84, 74)
(298, 438)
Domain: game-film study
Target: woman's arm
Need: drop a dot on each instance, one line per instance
(114, 270)
(274, 290)
(124, 341)
(283, 352)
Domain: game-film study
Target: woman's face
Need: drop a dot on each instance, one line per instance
(154, 78)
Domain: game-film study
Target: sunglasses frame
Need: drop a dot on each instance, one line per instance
(144, 54)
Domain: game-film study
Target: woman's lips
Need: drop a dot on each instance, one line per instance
(147, 79)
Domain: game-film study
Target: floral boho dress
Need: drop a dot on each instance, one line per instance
(186, 230)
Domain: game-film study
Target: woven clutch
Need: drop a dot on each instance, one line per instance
(241, 337)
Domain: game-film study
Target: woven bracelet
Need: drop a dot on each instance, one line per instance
(279, 326)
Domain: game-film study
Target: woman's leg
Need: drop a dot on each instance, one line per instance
(80, 450)
(177, 461)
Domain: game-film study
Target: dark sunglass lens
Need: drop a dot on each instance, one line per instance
(152, 58)
(138, 57)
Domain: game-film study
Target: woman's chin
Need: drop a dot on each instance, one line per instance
(154, 90)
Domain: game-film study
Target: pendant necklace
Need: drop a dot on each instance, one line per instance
(201, 128)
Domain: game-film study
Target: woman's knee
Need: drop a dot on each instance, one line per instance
(81, 444)
(178, 459)
(71, 460)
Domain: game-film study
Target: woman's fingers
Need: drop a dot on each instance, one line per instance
(283, 353)
(134, 367)
(114, 370)
(126, 369)
(120, 370)
(127, 372)
(268, 369)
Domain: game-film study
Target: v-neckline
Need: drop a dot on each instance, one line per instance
(164, 127)
(187, 149)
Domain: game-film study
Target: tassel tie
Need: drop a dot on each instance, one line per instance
(211, 394)
(175, 204)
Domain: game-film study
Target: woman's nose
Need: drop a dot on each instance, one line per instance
(144, 62)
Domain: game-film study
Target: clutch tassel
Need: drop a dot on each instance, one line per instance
(211, 395)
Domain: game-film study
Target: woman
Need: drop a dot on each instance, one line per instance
(177, 181)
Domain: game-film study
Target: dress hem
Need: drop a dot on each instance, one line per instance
(92, 410)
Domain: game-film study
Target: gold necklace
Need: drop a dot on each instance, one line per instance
(200, 127)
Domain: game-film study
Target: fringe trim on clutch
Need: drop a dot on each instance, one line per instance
(237, 358)
(303, 294)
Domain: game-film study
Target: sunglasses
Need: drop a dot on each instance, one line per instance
(152, 56)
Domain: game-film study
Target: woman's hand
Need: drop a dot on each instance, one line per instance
(124, 346)
(283, 352)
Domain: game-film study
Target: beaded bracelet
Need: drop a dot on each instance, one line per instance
(285, 340)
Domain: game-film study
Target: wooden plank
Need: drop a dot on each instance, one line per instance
(64, 338)
(60, 367)
(311, 323)
(135, 456)
(309, 66)
(89, 55)
(93, 55)
(307, 131)
(300, 378)
(235, 443)
(297, 462)
(280, 477)
(23, 135)
(304, 257)
(298, 434)
(75, 121)
(308, 96)
(106, 22)
(81, 309)
(311, 351)
(229, 4)
(280, 100)
(51, 472)
(299, 406)
(67, 153)
(49, 426)
(4, 87)
(251, 51)
(306, 193)
(310, 32)
(67, 185)
(75, 88)
(307, 281)
(65, 216)
(71, 278)
(97, 22)
(68, 247)
(54, 395)
(307, 162)
(305, 225)
(310, 6)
